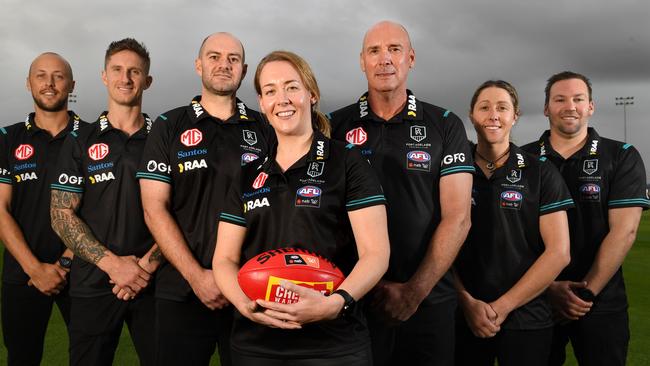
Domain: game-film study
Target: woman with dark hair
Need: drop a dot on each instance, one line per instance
(345, 222)
(517, 245)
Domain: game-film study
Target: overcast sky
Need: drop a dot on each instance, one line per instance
(458, 44)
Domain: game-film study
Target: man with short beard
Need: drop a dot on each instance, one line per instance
(190, 160)
(36, 262)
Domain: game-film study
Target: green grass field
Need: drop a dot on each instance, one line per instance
(637, 282)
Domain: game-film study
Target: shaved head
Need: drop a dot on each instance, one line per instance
(223, 35)
(52, 55)
(385, 25)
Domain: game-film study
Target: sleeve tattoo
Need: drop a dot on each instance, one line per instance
(74, 233)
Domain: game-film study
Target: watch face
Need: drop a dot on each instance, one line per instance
(65, 262)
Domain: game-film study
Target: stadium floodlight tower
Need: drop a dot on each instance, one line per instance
(624, 101)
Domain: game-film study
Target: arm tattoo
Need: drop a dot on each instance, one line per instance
(156, 255)
(74, 233)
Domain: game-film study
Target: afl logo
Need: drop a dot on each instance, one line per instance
(248, 157)
(511, 196)
(357, 136)
(309, 192)
(590, 188)
(260, 180)
(191, 137)
(24, 152)
(98, 151)
(419, 156)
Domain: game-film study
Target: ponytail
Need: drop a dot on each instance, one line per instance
(321, 123)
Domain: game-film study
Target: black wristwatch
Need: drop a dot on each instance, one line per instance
(348, 302)
(585, 294)
(65, 262)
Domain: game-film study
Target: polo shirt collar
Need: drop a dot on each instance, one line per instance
(105, 125)
(74, 122)
(412, 111)
(591, 147)
(197, 113)
(318, 151)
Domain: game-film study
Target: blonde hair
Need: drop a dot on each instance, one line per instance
(319, 121)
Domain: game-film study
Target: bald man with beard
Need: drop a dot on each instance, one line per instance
(36, 263)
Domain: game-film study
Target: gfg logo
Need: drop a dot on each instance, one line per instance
(453, 158)
(71, 179)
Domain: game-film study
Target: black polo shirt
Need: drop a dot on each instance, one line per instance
(603, 175)
(306, 207)
(505, 240)
(198, 155)
(100, 162)
(28, 155)
(410, 153)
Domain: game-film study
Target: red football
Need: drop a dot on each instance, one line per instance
(260, 277)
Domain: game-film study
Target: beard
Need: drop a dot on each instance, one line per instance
(56, 106)
(221, 88)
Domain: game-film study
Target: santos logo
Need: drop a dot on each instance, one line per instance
(191, 165)
(24, 152)
(191, 137)
(98, 178)
(98, 151)
(257, 203)
(457, 157)
(72, 179)
(26, 176)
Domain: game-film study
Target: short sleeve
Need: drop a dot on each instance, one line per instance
(233, 208)
(628, 187)
(155, 163)
(456, 156)
(68, 175)
(554, 194)
(5, 167)
(362, 185)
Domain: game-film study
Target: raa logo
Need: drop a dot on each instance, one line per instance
(98, 178)
(25, 176)
(191, 165)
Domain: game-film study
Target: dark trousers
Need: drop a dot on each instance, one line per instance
(96, 324)
(509, 347)
(427, 338)
(362, 358)
(597, 339)
(25, 315)
(187, 333)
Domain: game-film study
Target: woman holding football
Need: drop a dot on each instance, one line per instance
(518, 243)
(310, 193)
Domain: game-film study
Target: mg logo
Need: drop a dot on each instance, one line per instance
(98, 151)
(24, 152)
(191, 137)
(260, 180)
(357, 136)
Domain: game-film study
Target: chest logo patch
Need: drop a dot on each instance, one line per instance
(357, 136)
(24, 152)
(250, 137)
(590, 192)
(260, 180)
(418, 160)
(590, 166)
(511, 199)
(256, 203)
(247, 158)
(308, 196)
(191, 137)
(514, 176)
(418, 133)
(315, 169)
(98, 151)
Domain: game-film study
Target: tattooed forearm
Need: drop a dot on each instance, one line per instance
(74, 233)
(156, 255)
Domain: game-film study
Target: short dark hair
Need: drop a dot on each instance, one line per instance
(128, 44)
(565, 75)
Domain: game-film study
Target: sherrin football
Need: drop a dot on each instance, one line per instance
(260, 277)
